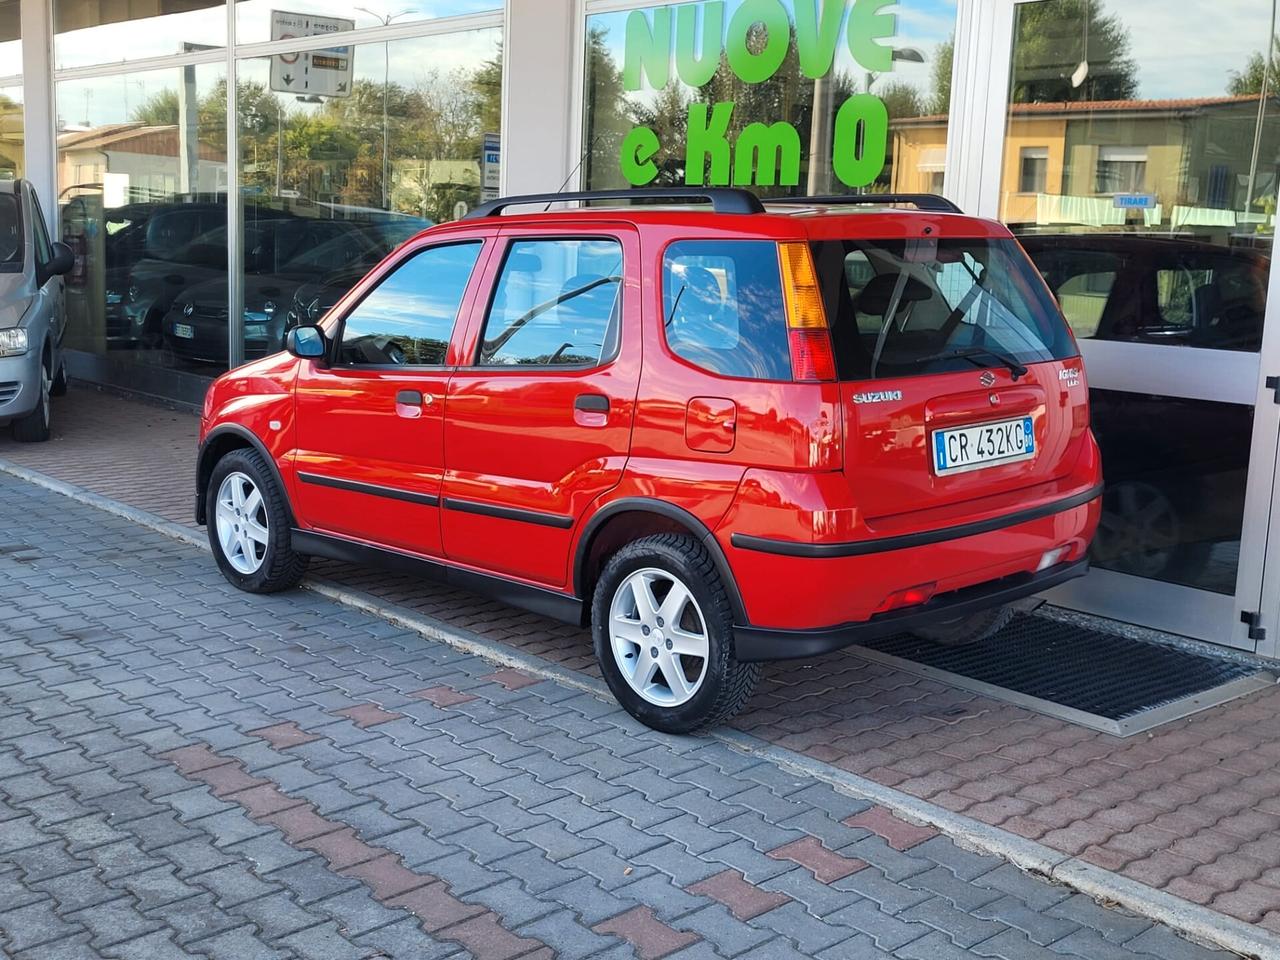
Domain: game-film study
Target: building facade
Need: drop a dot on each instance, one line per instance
(223, 170)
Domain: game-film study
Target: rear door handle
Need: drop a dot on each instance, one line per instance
(592, 403)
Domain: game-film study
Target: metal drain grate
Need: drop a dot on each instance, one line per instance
(1100, 680)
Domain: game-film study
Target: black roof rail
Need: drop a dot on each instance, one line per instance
(722, 199)
(922, 201)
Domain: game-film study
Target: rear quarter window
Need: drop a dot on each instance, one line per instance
(723, 309)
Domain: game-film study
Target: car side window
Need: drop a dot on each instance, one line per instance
(723, 308)
(44, 248)
(408, 318)
(556, 303)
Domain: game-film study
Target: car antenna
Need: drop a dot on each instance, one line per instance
(572, 173)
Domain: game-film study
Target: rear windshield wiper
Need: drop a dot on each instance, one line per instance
(973, 353)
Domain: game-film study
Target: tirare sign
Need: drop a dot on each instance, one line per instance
(752, 39)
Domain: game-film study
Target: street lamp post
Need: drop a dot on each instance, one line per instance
(385, 20)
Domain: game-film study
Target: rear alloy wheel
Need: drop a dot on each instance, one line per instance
(969, 629)
(663, 632)
(249, 528)
(36, 427)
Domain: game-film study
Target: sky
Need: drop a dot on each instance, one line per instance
(1178, 55)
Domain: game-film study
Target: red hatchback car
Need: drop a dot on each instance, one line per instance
(720, 436)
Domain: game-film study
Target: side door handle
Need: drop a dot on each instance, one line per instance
(591, 403)
(409, 404)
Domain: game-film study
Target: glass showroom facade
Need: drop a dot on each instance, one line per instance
(223, 172)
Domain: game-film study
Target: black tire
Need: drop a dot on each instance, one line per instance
(282, 567)
(37, 426)
(727, 684)
(969, 629)
(59, 386)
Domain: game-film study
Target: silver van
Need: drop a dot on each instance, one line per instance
(32, 313)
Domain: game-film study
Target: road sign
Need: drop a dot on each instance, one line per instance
(490, 166)
(319, 73)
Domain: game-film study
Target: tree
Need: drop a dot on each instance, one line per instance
(159, 109)
(901, 99)
(1249, 81)
(1052, 40)
(943, 57)
(608, 115)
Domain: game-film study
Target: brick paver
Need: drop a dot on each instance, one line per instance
(1190, 808)
(183, 771)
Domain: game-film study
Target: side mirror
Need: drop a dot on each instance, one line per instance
(63, 260)
(307, 342)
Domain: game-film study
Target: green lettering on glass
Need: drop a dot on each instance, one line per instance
(867, 25)
(639, 147)
(756, 66)
(764, 150)
(707, 138)
(817, 35)
(697, 66)
(648, 50)
(860, 140)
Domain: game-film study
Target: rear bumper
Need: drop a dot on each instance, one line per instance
(758, 644)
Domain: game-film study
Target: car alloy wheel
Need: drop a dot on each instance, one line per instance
(658, 637)
(241, 522)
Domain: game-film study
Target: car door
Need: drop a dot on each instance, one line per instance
(369, 454)
(538, 422)
(51, 285)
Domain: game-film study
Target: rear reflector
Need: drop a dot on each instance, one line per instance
(910, 597)
(811, 354)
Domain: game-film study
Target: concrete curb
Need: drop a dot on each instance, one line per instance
(1197, 922)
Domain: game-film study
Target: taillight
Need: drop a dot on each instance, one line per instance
(811, 355)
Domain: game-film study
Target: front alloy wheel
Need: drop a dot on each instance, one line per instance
(241, 520)
(658, 637)
(250, 527)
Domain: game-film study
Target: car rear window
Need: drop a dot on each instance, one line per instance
(901, 308)
(10, 233)
(723, 308)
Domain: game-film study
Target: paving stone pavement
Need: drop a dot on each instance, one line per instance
(186, 770)
(1191, 808)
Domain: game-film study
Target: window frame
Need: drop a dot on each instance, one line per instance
(1033, 153)
(508, 242)
(662, 307)
(371, 282)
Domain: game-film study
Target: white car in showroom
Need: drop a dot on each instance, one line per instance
(32, 313)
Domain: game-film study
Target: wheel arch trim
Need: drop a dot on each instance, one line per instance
(668, 511)
(205, 464)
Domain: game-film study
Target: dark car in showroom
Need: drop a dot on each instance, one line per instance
(196, 326)
(154, 251)
(1174, 468)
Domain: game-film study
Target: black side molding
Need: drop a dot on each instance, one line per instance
(372, 489)
(509, 513)
(858, 548)
(558, 606)
(755, 644)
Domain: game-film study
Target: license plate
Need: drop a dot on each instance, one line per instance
(184, 330)
(987, 445)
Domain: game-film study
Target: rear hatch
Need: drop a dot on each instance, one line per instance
(958, 376)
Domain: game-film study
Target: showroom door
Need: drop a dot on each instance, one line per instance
(1138, 163)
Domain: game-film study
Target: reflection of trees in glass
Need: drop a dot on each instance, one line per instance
(1053, 38)
(943, 57)
(608, 116)
(1250, 79)
(333, 152)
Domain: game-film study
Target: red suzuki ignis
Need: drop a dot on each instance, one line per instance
(720, 434)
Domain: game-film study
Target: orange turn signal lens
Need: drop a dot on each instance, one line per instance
(800, 288)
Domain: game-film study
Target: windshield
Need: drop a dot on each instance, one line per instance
(901, 308)
(10, 233)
